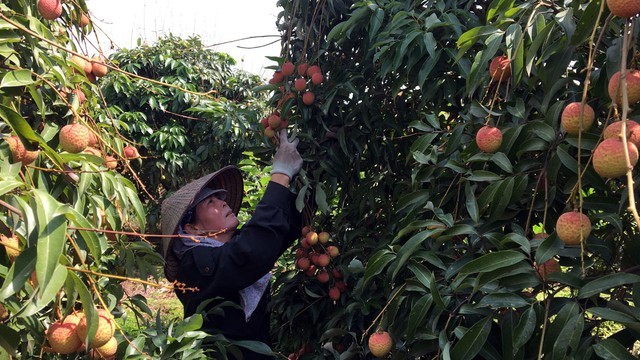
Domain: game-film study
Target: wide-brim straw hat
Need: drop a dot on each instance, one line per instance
(175, 206)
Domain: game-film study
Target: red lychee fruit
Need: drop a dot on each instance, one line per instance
(274, 121)
(633, 87)
(312, 238)
(93, 151)
(308, 98)
(50, 9)
(305, 230)
(334, 293)
(313, 70)
(570, 118)
(572, 226)
(489, 139)
(323, 276)
(336, 273)
(317, 79)
(98, 67)
(264, 121)
(302, 69)
(84, 20)
(324, 260)
(303, 263)
(106, 351)
(74, 137)
(82, 63)
(81, 96)
(633, 131)
(548, 267)
(333, 251)
(300, 84)
(63, 338)
(288, 68)
(130, 152)
(380, 343)
(624, 8)
(73, 318)
(277, 77)
(500, 69)
(93, 139)
(104, 332)
(608, 158)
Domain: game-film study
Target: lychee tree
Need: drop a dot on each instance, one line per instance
(72, 221)
(436, 237)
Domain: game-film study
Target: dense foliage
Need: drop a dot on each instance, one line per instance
(435, 235)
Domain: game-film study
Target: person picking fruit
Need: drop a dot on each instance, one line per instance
(213, 261)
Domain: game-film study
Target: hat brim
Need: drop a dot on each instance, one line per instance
(175, 206)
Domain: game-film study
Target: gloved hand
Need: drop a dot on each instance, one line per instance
(287, 160)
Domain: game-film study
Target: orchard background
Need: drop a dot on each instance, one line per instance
(444, 243)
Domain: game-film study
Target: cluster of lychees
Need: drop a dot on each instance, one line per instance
(315, 258)
(294, 81)
(67, 336)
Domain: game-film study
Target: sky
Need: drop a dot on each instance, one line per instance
(215, 21)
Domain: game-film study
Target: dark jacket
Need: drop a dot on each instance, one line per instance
(251, 253)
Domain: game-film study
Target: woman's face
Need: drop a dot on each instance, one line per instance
(213, 214)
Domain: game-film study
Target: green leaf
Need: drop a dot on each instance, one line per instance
(255, 346)
(492, 261)
(611, 349)
(472, 341)
(483, 175)
(49, 290)
(376, 264)
(502, 300)
(9, 339)
(524, 330)
(89, 237)
(613, 315)
(52, 226)
(418, 312)
(548, 249)
(471, 203)
(19, 272)
(605, 283)
(16, 78)
(502, 161)
(409, 248)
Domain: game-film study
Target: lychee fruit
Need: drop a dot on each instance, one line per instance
(380, 343)
(98, 67)
(73, 318)
(264, 121)
(277, 77)
(323, 237)
(633, 87)
(269, 132)
(300, 84)
(303, 263)
(80, 94)
(333, 251)
(312, 238)
(30, 156)
(570, 118)
(110, 162)
(18, 150)
(624, 8)
(308, 98)
(489, 139)
(93, 139)
(313, 70)
(84, 20)
(130, 152)
(82, 63)
(74, 137)
(573, 226)
(334, 293)
(317, 79)
(633, 131)
(323, 276)
(50, 9)
(104, 332)
(93, 151)
(324, 260)
(609, 158)
(302, 69)
(500, 69)
(11, 246)
(106, 351)
(548, 267)
(288, 68)
(274, 121)
(63, 338)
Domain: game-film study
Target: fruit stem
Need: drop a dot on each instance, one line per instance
(623, 129)
(366, 332)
